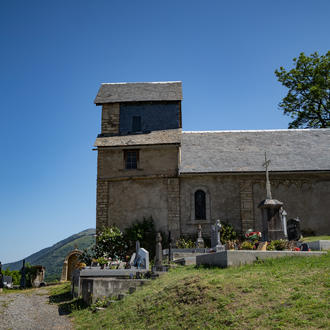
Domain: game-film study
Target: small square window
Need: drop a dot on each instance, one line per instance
(131, 158)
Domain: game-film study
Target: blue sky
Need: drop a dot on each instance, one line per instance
(55, 54)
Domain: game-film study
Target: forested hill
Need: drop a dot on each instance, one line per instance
(53, 257)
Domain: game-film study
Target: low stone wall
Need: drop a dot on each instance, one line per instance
(93, 288)
(185, 253)
(319, 245)
(93, 283)
(237, 258)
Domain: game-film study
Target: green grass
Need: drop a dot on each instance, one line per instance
(286, 293)
(316, 238)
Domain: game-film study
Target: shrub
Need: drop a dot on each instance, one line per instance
(185, 243)
(143, 231)
(110, 243)
(271, 246)
(102, 261)
(15, 274)
(227, 233)
(86, 257)
(246, 245)
(278, 245)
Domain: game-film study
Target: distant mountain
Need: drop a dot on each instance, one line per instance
(53, 257)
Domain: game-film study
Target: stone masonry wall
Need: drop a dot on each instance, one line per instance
(247, 216)
(102, 197)
(173, 202)
(110, 118)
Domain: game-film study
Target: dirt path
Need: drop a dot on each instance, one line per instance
(30, 310)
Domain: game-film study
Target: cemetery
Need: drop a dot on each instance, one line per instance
(111, 275)
(114, 278)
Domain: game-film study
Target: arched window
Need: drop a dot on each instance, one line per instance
(200, 205)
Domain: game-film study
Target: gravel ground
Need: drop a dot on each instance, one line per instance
(30, 310)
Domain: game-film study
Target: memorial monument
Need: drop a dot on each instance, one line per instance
(272, 224)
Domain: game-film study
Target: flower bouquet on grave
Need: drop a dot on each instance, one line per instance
(81, 265)
(253, 235)
(102, 262)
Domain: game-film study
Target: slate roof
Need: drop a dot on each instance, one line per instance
(134, 92)
(243, 151)
(170, 136)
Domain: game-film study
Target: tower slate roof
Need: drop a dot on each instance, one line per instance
(169, 136)
(135, 92)
(243, 151)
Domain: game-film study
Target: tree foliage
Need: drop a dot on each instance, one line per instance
(15, 274)
(143, 231)
(308, 98)
(110, 243)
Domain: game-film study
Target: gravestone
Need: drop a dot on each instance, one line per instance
(215, 237)
(199, 241)
(284, 222)
(293, 228)
(8, 282)
(140, 258)
(159, 251)
(132, 260)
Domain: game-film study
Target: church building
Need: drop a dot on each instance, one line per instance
(148, 167)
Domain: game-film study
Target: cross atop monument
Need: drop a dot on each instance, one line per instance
(266, 165)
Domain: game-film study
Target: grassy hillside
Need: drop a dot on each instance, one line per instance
(53, 257)
(285, 293)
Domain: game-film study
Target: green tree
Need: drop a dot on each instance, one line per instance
(308, 98)
(110, 243)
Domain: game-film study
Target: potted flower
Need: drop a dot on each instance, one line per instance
(102, 261)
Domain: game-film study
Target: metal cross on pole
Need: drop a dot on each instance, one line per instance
(266, 165)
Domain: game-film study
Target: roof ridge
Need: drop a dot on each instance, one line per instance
(260, 130)
(143, 82)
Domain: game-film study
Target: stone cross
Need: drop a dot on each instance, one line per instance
(215, 238)
(137, 246)
(159, 251)
(200, 241)
(266, 165)
(1, 278)
(23, 278)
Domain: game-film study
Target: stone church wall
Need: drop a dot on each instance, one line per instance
(124, 196)
(158, 160)
(234, 199)
(305, 196)
(132, 200)
(222, 201)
